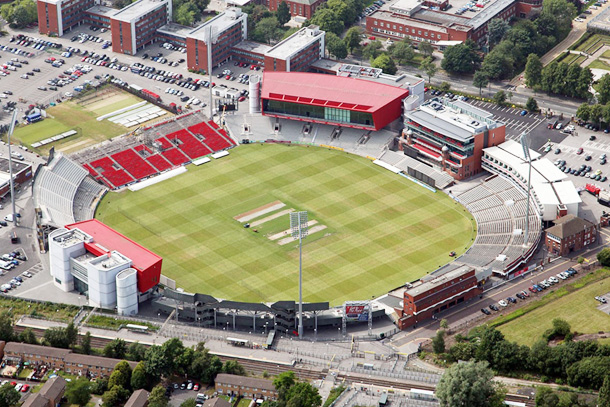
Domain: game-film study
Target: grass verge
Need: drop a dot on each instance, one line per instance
(100, 321)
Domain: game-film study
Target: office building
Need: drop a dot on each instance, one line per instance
(55, 17)
(298, 8)
(135, 26)
(451, 135)
(569, 234)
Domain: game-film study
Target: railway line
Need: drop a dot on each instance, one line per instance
(272, 368)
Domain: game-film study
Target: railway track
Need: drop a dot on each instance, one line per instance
(259, 367)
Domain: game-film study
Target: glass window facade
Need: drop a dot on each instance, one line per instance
(318, 112)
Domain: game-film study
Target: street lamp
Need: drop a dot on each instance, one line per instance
(298, 224)
(526, 153)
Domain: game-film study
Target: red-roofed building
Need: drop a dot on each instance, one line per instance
(333, 100)
(111, 269)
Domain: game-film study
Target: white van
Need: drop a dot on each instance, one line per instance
(17, 155)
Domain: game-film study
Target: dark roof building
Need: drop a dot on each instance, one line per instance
(36, 400)
(139, 398)
(242, 386)
(53, 389)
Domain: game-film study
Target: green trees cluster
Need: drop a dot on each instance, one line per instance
(558, 78)
(20, 13)
(292, 393)
(546, 397)
(508, 56)
(61, 337)
(604, 254)
(9, 397)
(597, 114)
(266, 26)
(583, 363)
(335, 15)
(461, 58)
(187, 12)
(470, 384)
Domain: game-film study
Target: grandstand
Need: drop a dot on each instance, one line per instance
(499, 208)
(155, 150)
(64, 193)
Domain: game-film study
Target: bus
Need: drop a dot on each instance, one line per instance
(143, 329)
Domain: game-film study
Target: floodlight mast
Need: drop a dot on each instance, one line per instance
(526, 153)
(298, 224)
(10, 165)
(211, 37)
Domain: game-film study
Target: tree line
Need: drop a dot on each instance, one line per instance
(583, 364)
(558, 78)
(20, 13)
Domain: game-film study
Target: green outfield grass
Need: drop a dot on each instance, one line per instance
(578, 307)
(382, 229)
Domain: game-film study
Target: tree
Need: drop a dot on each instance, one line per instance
(283, 13)
(189, 403)
(445, 87)
(20, 13)
(480, 80)
(7, 333)
(234, 367)
(372, 50)
(402, 51)
(335, 46)
(78, 392)
(56, 337)
(500, 97)
(328, 21)
(99, 386)
(121, 376)
(560, 13)
(603, 89)
(585, 80)
(561, 327)
(136, 351)
(533, 71)
(444, 324)
(267, 29)
(9, 396)
(205, 366)
(71, 334)
(86, 343)
(584, 112)
(283, 382)
(461, 58)
(352, 38)
(117, 349)
(28, 336)
(138, 377)
(469, 384)
(596, 113)
(115, 396)
(185, 14)
(425, 48)
(531, 104)
(303, 395)
(428, 67)
(499, 63)
(438, 342)
(385, 63)
(462, 351)
(157, 397)
(589, 372)
(496, 28)
(546, 397)
(604, 392)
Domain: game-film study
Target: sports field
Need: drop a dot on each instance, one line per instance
(578, 307)
(371, 230)
(71, 115)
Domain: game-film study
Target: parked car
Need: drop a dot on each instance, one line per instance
(485, 311)
(503, 303)
(494, 307)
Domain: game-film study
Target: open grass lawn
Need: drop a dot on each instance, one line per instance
(606, 54)
(579, 308)
(382, 230)
(593, 42)
(599, 64)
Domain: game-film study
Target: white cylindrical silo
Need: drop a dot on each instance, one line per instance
(255, 94)
(63, 245)
(127, 292)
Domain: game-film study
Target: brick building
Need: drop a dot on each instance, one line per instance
(62, 359)
(135, 26)
(298, 8)
(442, 25)
(241, 386)
(297, 52)
(138, 398)
(227, 29)
(569, 234)
(451, 135)
(436, 293)
(55, 17)
(50, 394)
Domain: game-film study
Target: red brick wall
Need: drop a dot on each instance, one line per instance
(193, 60)
(52, 27)
(115, 27)
(296, 9)
(279, 65)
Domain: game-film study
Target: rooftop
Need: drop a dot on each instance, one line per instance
(138, 9)
(569, 225)
(221, 23)
(21, 348)
(254, 47)
(175, 29)
(139, 398)
(102, 11)
(71, 238)
(18, 166)
(110, 239)
(110, 260)
(53, 389)
(458, 120)
(328, 90)
(386, 15)
(297, 41)
(35, 400)
(435, 281)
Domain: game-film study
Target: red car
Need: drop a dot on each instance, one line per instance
(525, 293)
(532, 289)
(13, 384)
(196, 386)
(241, 98)
(579, 151)
(228, 77)
(25, 388)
